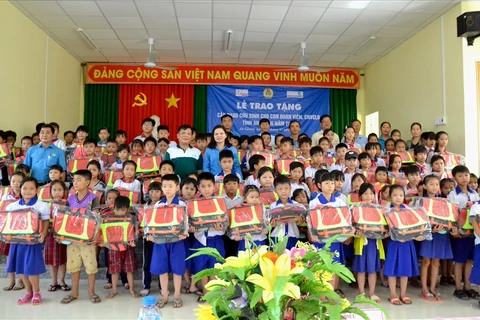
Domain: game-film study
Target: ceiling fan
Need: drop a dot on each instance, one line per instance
(304, 62)
(152, 58)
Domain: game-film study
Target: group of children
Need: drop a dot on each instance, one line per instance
(330, 175)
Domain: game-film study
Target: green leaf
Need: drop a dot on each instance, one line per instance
(257, 295)
(357, 312)
(281, 246)
(239, 272)
(206, 273)
(209, 252)
(362, 299)
(308, 274)
(334, 311)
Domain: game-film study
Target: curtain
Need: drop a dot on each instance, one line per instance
(101, 108)
(172, 104)
(200, 109)
(343, 108)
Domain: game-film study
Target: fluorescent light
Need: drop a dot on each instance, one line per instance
(228, 40)
(363, 45)
(88, 39)
(358, 4)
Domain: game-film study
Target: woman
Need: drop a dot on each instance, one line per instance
(385, 128)
(211, 160)
(416, 131)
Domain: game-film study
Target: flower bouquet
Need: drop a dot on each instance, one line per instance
(272, 283)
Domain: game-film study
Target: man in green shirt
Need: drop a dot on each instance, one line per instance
(186, 158)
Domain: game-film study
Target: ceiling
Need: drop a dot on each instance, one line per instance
(264, 32)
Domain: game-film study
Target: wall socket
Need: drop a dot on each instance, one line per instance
(440, 121)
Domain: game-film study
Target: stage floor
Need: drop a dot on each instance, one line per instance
(123, 306)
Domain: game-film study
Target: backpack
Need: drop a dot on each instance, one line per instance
(324, 222)
(21, 226)
(439, 210)
(207, 213)
(117, 231)
(247, 219)
(370, 219)
(75, 225)
(288, 213)
(407, 224)
(165, 223)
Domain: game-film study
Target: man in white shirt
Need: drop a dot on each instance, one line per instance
(325, 123)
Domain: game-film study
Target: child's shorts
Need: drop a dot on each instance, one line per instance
(76, 254)
(463, 249)
(119, 261)
(168, 257)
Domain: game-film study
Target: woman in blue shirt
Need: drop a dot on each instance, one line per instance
(211, 159)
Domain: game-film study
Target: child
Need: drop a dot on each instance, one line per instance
(230, 185)
(26, 143)
(297, 173)
(35, 138)
(163, 145)
(367, 251)
(23, 169)
(438, 166)
(166, 167)
(316, 162)
(372, 138)
(89, 148)
(78, 254)
(265, 179)
(413, 177)
(290, 229)
(372, 149)
(125, 261)
(267, 139)
(201, 141)
(128, 182)
(395, 166)
(121, 137)
(339, 178)
(137, 148)
(69, 137)
(364, 162)
(463, 248)
(255, 163)
(400, 146)
(330, 135)
(278, 139)
(252, 197)
(326, 185)
(234, 141)
(13, 194)
(434, 250)
(396, 135)
(81, 134)
(103, 135)
(446, 186)
(324, 144)
(149, 146)
(357, 180)
(401, 258)
(243, 143)
(305, 146)
(95, 183)
(55, 253)
(389, 146)
(428, 140)
(475, 274)
(420, 161)
(226, 162)
(340, 152)
(473, 183)
(286, 148)
(123, 153)
(210, 239)
(301, 197)
(441, 142)
(349, 138)
(351, 163)
(381, 178)
(24, 259)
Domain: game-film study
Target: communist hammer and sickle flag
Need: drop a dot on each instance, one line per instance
(140, 100)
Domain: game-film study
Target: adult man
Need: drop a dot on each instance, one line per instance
(227, 122)
(325, 123)
(361, 140)
(147, 128)
(44, 155)
(186, 158)
(294, 127)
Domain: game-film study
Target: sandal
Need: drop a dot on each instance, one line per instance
(384, 284)
(395, 301)
(37, 298)
(145, 292)
(461, 294)
(65, 287)
(375, 298)
(108, 286)
(451, 280)
(428, 297)
(18, 287)
(437, 296)
(135, 294)
(53, 287)
(177, 303)
(25, 299)
(200, 299)
(127, 286)
(340, 293)
(186, 290)
(9, 288)
(162, 303)
(67, 299)
(406, 300)
(443, 281)
(111, 295)
(473, 294)
(95, 299)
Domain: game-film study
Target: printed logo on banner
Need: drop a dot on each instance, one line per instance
(294, 94)
(241, 92)
(268, 93)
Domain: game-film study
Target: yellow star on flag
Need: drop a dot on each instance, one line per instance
(172, 101)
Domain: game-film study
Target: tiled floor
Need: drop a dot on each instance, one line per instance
(125, 307)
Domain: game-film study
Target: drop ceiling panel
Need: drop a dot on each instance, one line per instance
(304, 14)
(263, 25)
(193, 9)
(195, 23)
(124, 8)
(109, 44)
(156, 9)
(126, 22)
(105, 34)
(161, 34)
(330, 28)
(196, 35)
(226, 24)
(163, 23)
(231, 10)
(268, 12)
(91, 22)
(42, 8)
(297, 26)
(131, 34)
(340, 15)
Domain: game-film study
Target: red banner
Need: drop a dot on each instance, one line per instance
(172, 104)
(227, 75)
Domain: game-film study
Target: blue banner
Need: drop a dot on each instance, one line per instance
(248, 104)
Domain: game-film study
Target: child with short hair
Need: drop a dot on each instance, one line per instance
(265, 178)
(286, 148)
(297, 174)
(428, 140)
(438, 166)
(35, 138)
(413, 176)
(349, 138)
(421, 155)
(381, 178)
(201, 142)
(26, 143)
(305, 144)
(95, 183)
(463, 248)
(340, 152)
(372, 150)
(283, 189)
(103, 135)
(162, 146)
(55, 253)
(149, 146)
(125, 261)
(400, 146)
(235, 141)
(389, 146)
(121, 137)
(252, 197)
(226, 162)
(137, 148)
(351, 164)
(255, 144)
(81, 135)
(316, 163)
(89, 148)
(255, 163)
(128, 182)
(166, 167)
(26, 259)
(82, 254)
(278, 139)
(123, 153)
(473, 182)
(230, 184)
(324, 144)
(446, 186)
(339, 178)
(69, 137)
(23, 169)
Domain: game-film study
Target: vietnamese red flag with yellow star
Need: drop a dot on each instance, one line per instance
(173, 104)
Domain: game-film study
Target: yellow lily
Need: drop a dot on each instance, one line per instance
(270, 272)
(204, 312)
(216, 282)
(248, 258)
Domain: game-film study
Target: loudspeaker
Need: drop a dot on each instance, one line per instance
(468, 24)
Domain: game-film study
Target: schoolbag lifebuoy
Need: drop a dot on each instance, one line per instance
(21, 226)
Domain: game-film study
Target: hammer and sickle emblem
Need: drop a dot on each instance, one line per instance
(140, 100)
